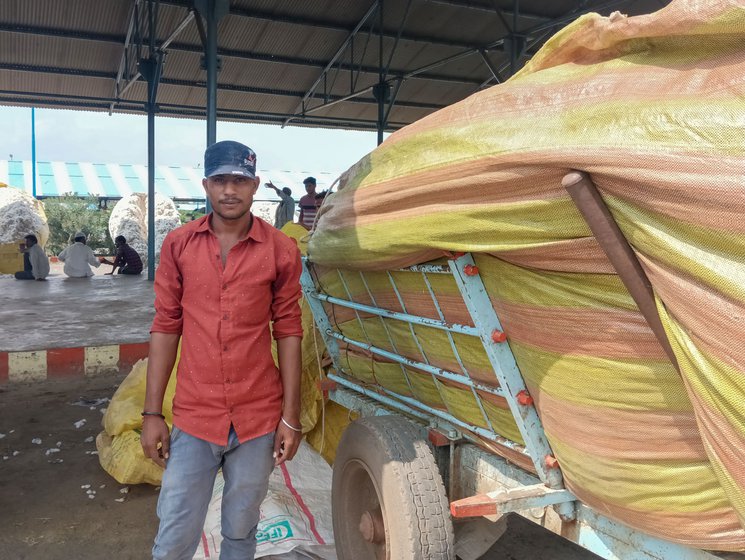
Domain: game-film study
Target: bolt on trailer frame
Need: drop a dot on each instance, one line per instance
(481, 483)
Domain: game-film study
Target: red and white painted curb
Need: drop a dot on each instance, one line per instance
(61, 363)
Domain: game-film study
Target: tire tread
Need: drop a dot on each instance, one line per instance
(424, 502)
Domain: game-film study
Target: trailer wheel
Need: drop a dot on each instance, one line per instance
(388, 499)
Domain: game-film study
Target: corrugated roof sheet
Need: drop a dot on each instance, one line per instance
(272, 51)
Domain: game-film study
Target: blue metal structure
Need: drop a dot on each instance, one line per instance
(116, 180)
(33, 152)
(515, 489)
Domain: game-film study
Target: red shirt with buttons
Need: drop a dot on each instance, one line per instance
(226, 373)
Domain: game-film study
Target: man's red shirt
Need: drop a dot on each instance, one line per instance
(226, 373)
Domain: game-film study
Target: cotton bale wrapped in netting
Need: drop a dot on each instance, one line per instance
(129, 218)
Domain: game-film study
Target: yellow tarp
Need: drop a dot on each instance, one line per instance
(653, 108)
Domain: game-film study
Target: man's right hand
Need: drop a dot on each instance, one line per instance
(155, 439)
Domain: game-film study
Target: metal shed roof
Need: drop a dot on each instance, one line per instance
(310, 63)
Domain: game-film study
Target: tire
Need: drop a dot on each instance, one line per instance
(388, 499)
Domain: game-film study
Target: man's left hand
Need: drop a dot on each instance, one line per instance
(286, 442)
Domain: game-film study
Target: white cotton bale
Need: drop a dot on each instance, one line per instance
(264, 210)
(21, 215)
(129, 218)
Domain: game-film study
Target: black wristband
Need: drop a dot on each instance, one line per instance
(146, 413)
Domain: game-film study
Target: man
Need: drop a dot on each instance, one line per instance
(286, 209)
(308, 204)
(78, 258)
(319, 198)
(222, 279)
(126, 260)
(35, 261)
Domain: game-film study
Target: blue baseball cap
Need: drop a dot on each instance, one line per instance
(229, 158)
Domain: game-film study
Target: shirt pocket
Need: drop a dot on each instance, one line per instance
(251, 300)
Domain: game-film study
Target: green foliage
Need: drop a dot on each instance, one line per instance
(189, 215)
(69, 214)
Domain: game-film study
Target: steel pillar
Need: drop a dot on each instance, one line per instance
(382, 94)
(212, 11)
(33, 152)
(151, 69)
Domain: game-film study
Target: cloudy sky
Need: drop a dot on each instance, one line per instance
(99, 138)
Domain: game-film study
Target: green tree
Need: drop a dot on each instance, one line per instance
(189, 215)
(69, 214)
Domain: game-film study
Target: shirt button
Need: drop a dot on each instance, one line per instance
(224, 286)
(225, 317)
(225, 348)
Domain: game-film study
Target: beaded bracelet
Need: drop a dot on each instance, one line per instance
(293, 428)
(146, 413)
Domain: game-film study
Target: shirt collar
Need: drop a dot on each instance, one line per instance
(257, 231)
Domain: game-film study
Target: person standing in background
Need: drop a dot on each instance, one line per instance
(286, 209)
(308, 207)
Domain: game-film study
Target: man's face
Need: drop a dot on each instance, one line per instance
(310, 188)
(231, 196)
(30, 242)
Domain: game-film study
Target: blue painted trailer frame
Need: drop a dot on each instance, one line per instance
(514, 489)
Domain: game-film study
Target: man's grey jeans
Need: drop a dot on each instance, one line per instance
(187, 489)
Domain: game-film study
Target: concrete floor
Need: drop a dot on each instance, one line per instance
(70, 312)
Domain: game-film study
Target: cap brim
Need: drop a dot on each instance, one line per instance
(231, 170)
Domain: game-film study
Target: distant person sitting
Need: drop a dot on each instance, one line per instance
(308, 204)
(127, 260)
(286, 210)
(78, 258)
(35, 261)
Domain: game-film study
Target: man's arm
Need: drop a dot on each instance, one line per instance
(287, 440)
(287, 329)
(164, 337)
(162, 357)
(301, 216)
(34, 258)
(103, 260)
(118, 262)
(93, 259)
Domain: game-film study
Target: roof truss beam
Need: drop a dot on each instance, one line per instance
(489, 8)
(229, 53)
(201, 85)
(375, 7)
(8, 97)
(324, 24)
